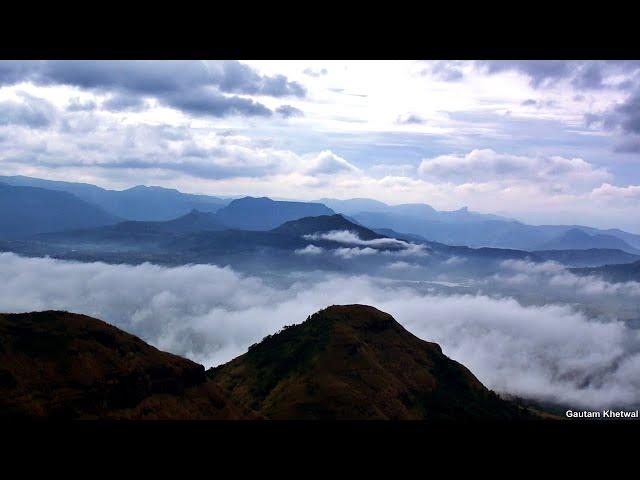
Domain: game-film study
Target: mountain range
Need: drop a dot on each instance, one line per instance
(29, 210)
(201, 237)
(627, 272)
(136, 203)
(344, 362)
(144, 216)
(499, 233)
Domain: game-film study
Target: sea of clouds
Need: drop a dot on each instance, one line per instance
(212, 314)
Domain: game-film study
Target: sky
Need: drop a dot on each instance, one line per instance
(540, 141)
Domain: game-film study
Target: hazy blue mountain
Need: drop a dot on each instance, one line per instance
(576, 239)
(493, 233)
(631, 238)
(464, 227)
(465, 215)
(325, 223)
(137, 203)
(30, 210)
(234, 241)
(251, 213)
(587, 257)
(629, 272)
(474, 234)
(355, 206)
(201, 238)
(136, 234)
(412, 237)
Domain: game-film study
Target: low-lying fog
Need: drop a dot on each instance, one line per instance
(533, 330)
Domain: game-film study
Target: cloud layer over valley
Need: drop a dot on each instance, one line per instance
(211, 314)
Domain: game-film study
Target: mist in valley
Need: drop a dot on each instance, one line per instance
(546, 350)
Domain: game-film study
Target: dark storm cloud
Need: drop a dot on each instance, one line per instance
(584, 75)
(168, 81)
(623, 118)
(625, 115)
(31, 112)
(540, 72)
(151, 77)
(590, 77)
(209, 102)
(288, 111)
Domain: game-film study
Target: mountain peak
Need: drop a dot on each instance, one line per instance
(265, 214)
(576, 233)
(249, 199)
(151, 188)
(325, 223)
(361, 317)
(197, 213)
(356, 362)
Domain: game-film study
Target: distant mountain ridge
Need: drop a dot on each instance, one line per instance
(364, 205)
(460, 227)
(30, 210)
(136, 203)
(576, 239)
(250, 213)
(628, 272)
(200, 237)
(489, 233)
(586, 257)
(325, 223)
(139, 232)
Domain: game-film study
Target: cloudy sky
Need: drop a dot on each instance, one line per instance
(541, 141)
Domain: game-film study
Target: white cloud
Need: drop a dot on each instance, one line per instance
(352, 238)
(346, 252)
(403, 266)
(612, 193)
(454, 260)
(552, 279)
(328, 163)
(482, 165)
(310, 250)
(212, 314)
(398, 247)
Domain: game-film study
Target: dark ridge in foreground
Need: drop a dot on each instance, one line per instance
(344, 362)
(356, 362)
(63, 365)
